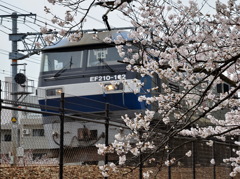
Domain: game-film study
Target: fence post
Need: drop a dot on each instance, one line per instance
(193, 160)
(61, 137)
(140, 165)
(0, 99)
(0, 122)
(169, 158)
(213, 156)
(231, 154)
(106, 132)
(140, 158)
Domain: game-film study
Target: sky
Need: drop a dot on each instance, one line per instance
(7, 7)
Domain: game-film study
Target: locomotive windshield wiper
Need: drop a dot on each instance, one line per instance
(65, 68)
(105, 64)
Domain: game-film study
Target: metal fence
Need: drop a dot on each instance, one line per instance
(31, 135)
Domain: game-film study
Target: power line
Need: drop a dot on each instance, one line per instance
(97, 20)
(4, 32)
(92, 17)
(6, 7)
(4, 11)
(3, 53)
(31, 17)
(3, 71)
(5, 27)
(21, 21)
(29, 60)
(3, 20)
(32, 61)
(30, 27)
(4, 50)
(23, 10)
(24, 22)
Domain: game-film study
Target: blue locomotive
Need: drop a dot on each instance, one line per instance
(90, 73)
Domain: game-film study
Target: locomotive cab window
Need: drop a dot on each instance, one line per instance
(103, 56)
(61, 60)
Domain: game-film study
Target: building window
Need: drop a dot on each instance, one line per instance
(38, 132)
(7, 137)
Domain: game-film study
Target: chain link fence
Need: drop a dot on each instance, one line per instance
(61, 142)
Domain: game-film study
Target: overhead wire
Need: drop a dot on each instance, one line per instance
(5, 19)
(7, 52)
(5, 11)
(91, 17)
(5, 27)
(28, 21)
(31, 18)
(95, 101)
(3, 32)
(29, 60)
(11, 30)
(26, 59)
(28, 25)
(4, 52)
(3, 71)
(14, 10)
(56, 27)
(6, 7)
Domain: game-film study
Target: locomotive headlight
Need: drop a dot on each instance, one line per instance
(59, 91)
(54, 92)
(109, 87)
(112, 87)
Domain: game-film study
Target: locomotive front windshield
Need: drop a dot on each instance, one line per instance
(52, 61)
(99, 57)
(58, 60)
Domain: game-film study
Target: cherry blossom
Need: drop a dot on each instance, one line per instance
(212, 161)
(189, 153)
(195, 56)
(147, 174)
(122, 159)
(44, 30)
(38, 44)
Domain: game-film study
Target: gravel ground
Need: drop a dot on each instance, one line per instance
(85, 171)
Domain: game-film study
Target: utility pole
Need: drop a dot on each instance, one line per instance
(15, 56)
(14, 95)
(0, 122)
